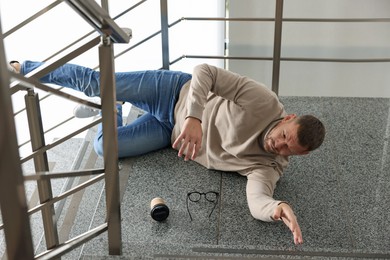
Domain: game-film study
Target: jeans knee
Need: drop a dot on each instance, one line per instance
(98, 146)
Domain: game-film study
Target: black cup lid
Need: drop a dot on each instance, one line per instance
(160, 212)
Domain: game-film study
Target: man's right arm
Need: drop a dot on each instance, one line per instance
(259, 194)
(262, 205)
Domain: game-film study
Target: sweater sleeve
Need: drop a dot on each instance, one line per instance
(260, 188)
(231, 86)
(201, 83)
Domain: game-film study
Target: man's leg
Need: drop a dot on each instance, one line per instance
(154, 91)
(71, 76)
(143, 135)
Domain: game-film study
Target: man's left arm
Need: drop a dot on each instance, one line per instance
(259, 189)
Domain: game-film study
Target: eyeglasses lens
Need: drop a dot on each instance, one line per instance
(211, 196)
(194, 196)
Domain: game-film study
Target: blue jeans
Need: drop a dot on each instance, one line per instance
(155, 92)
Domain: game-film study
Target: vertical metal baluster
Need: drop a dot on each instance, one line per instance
(110, 145)
(12, 192)
(110, 142)
(41, 164)
(164, 34)
(277, 45)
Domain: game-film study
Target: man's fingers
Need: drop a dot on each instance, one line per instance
(187, 146)
(295, 229)
(190, 148)
(297, 235)
(183, 147)
(196, 150)
(285, 213)
(298, 240)
(178, 141)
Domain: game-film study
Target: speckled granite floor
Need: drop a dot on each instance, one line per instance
(341, 195)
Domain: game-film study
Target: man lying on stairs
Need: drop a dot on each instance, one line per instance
(217, 118)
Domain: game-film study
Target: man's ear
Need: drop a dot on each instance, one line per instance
(289, 117)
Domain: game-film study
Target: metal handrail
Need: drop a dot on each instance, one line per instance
(337, 20)
(49, 66)
(31, 83)
(44, 10)
(110, 32)
(222, 57)
(22, 83)
(48, 8)
(100, 19)
(67, 193)
(60, 140)
(32, 18)
(255, 19)
(277, 58)
(223, 19)
(50, 129)
(72, 243)
(43, 176)
(55, 175)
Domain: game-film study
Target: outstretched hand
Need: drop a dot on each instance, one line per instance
(284, 212)
(190, 139)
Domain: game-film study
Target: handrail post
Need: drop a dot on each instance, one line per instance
(41, 164)
(277, 45)
(164, 34)
(12, 192)
(110, 145)
(105, 5)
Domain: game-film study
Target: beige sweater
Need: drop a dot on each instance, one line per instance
(236, 113)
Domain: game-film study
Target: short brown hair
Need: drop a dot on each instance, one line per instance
(311, 132)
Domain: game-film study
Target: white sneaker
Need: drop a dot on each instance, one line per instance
(84, 111)
(14, 66)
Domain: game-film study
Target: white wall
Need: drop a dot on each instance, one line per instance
(316, 40)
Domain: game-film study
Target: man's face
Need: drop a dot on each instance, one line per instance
(283, 139)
